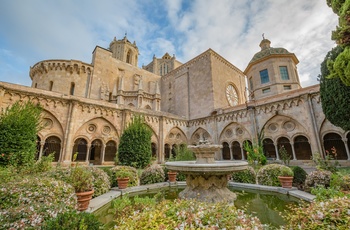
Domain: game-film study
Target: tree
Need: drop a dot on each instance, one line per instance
(335, 96)
(19, 126)
(341, 65)
(135, 144)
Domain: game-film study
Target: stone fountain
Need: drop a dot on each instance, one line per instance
(206, 179)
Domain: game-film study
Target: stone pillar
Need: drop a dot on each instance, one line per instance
(277, 154)
(42, 143)
(346, 147)
(88, 153)
(293, 152)
(103, 153)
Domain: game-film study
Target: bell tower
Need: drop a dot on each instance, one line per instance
(124, 50)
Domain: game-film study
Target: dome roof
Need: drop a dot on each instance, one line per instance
(266, 50)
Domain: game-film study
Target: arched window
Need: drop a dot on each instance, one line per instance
(72, 87)
(96, 151)
(167, 151)
(302, 148)
(110, 151)
(80, 147)
(51, 85)
(128, 57)
(226, 151)
(52, 145)
(236, 150)
(154, 150)
(269, 148)
(283, 141)
(331, 140)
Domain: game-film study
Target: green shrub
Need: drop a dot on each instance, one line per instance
(44, 164)
(19, 126)
(100, 181)
(268, 174)
(328, 214)
(188, 214)
(135, 144)
(27, 202)
(245, 176)
(152, 174)
(73, 220)
(318, 178)
(134, 179)
(327, 164)
(340, 181)
(323, 193)
(182, 153)
(299, 177)
(179, 177)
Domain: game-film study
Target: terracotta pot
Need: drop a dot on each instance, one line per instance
(286, 181)
(123, 182)
(84, 199)
(172, 176)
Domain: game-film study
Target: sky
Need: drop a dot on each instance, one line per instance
(36, 30)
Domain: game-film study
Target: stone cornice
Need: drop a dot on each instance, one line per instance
(72, 66)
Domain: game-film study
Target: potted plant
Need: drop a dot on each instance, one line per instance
(286, 177)
(82, 180)
(123, 176)
(172, 176)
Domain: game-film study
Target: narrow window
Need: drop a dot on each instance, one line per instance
(51, 85)
(251, 83)
(128, 57)
(72, 86)
(36, 85)
(264, 76)
(284, 73)
(287, 87)
(267, 90)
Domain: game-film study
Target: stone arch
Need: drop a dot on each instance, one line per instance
(176, 136)
(234, 132)
(236, 150)
(226, 155)
(129, 56)
(334, 140)
(285, 142)
(80, 148)
(302, 148)
(269, 148)
(110, 150)
(52, 145)
(95, 152)
(51, 126)
(98, 128)
(282, 124)
(199, 134)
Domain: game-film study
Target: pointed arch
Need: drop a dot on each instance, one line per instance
(334, 140)
(199, 134)
(302, 148)
(52, 145)
(110, 150)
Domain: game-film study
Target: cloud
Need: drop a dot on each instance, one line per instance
(69, 29)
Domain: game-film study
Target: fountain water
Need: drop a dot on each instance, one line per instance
(206, 178)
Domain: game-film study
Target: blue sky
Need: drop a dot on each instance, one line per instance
(35, 30)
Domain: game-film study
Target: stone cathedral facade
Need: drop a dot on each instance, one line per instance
(87, 106)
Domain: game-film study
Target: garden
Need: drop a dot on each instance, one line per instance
(34, 194)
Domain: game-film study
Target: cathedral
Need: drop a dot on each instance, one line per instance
(86, 106)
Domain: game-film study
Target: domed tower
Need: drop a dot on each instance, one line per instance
(271, 71)
(124, 50)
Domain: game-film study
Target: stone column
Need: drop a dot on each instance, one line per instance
(346, 147)
(293, 152)
(88, 153)
(103, 153)
(277, 154)
(42, 143)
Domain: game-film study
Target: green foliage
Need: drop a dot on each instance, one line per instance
(246, 176)
(328, 214)
(73, 220)
(100, 181)
(285, 157)
(133, 175)
(186, 214)
(327, 163)
(255, 153)
(19, 126)
(135, 144)
(45, 163)
(179, 177)
(340, 181)
(28, 201)
(81, 179)
(335, 96)
(323, 194)
(151, 175)
(299, 177)
(268, 174)
(317, 178)
(182, 153)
